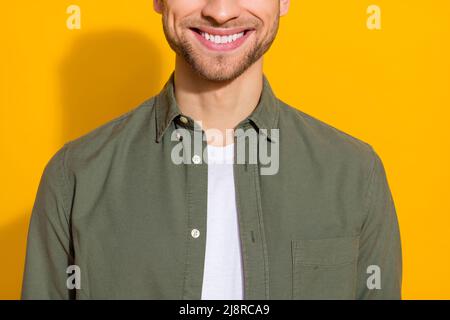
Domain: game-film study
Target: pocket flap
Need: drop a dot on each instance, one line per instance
(326, 252)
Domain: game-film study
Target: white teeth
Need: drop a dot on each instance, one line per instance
(222, 39)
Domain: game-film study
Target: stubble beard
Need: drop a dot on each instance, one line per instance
(219, 68)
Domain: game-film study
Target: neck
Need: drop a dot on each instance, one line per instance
(218, 105)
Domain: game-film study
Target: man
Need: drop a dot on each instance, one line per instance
(137, 209)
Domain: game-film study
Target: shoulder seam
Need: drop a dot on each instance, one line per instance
(65, 182)
(370, 185)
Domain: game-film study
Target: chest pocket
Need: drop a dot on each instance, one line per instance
(324, 268)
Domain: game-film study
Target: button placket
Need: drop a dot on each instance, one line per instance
(196, 191)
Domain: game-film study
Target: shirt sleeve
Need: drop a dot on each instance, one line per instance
(48, 247)
(380, 257)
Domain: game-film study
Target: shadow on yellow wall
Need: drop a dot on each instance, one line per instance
(12, 249)
(104, 75)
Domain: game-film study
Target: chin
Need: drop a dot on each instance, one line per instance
(217, 74)
(219, 69)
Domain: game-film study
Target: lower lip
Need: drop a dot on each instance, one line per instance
(223, 46)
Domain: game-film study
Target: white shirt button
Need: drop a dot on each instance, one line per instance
(184, 120)
(195, 233)
(178, 136)
(196, 159)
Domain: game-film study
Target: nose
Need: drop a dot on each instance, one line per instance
(221, 11)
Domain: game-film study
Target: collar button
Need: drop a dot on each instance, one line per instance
(184, 120)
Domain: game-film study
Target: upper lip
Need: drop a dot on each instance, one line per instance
(221, 31)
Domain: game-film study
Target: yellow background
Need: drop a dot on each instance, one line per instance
(389, 87)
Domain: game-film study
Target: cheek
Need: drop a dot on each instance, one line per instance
(265, 10)
(185, 5)
(178, 10)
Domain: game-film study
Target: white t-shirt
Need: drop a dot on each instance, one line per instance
(222, 277)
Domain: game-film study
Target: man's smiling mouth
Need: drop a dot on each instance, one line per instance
(222, 39)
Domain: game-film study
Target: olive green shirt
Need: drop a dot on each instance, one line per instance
(114, 204)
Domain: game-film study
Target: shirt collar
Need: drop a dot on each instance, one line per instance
(264, 116)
